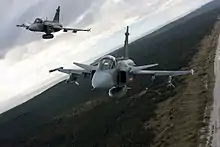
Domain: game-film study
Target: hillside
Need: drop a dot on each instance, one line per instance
(156, 117)
(63, 116)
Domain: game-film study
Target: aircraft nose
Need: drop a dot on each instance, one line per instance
(31, 28)
(102, 80)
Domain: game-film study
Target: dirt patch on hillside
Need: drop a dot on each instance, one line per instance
(183, 119)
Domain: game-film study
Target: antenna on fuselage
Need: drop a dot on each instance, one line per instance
(125, 56)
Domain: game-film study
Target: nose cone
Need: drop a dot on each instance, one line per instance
(102, 80)
(32, 27)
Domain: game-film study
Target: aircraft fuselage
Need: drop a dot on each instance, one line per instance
(117, 76)
(46, 27)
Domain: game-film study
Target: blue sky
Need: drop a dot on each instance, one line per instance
(25, 58)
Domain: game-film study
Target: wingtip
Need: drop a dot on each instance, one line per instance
(75, 63)
(52, 70)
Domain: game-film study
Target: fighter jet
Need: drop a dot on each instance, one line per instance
(114, 73)
(49, 27)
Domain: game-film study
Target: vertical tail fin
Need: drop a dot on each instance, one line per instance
(126, 43)
(57, 15)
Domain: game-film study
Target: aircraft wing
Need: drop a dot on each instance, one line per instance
(85, 69)
(163, 73)
(85, 66)
(69, 71)
(138, 68)
(75, 30)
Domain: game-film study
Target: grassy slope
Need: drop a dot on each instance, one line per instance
(183, 115)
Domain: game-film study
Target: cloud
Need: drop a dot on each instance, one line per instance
(27, 58)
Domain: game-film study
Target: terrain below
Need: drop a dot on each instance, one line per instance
(67, 115)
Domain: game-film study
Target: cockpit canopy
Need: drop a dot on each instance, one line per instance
(38, 20)
(107, 62)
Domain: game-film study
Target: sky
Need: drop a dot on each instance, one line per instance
(25, 58)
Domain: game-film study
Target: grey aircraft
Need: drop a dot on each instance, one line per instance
(48, 27)
(114, 74)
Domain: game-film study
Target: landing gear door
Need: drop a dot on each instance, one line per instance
(122, 78)
(92, 73)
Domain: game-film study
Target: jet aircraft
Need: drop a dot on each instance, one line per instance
(114, 73)
(48, 27)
